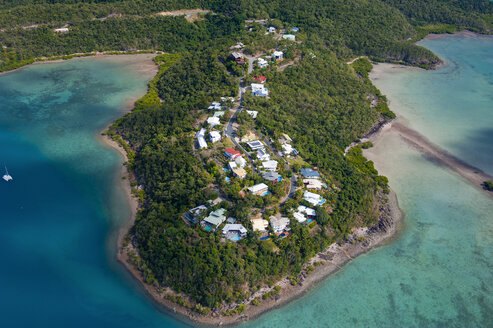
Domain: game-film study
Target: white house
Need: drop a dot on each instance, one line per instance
(259, 189)
(234, 232)
(287, 149)
(312, 184)
(289, 37)
(219, 113)
(252, 113)
(278, 55)
(259, 225)
(201, 139)
(262, 63)
(215, 136)
(215, 106)
(232, 166)
(255, 144)
(213, 121)
(271, 29)
(279, 224)
(259, 90)
(312, 198)
(300, 217)
(262, 155)
(307, 211)
(270, 165)
(240, 162)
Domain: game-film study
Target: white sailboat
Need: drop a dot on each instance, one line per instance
(7, 177)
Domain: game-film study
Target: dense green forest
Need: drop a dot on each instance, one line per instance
(321, 102)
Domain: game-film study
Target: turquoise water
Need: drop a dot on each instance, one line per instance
(439, 272)
(57, 256)
(58, 266)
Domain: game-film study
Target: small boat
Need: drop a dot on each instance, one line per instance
(7, 177)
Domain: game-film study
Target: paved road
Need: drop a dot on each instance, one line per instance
(230, 131)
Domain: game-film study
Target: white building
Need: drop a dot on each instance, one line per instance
(252, 113)
(307, 210)
(240, 162)
(219, 113)
(201, 139)
(278, 55)
(312, 198)
(259, 189)
(270, 165)
(287, 149)
(300, 217)
(213, 121)
(312, 184)
(271, 29)
(262, 63)
(259, 90)
(215, 106)
(259, 225)
(279, 224)
(215, 136)
(232, 166)
(289, 37)
(262, 155)
(255, 144)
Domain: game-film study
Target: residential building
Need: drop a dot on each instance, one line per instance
(240, 162)
(234, 231)
(262, 63)
(278, 55)
(219, 113)
(240, 173)
(259, 225)
(307, 211)
(295, 30)
(195, 213)
(287, 149)
(238, 45)
(259, 189)
(279, 225)
(236, 55)
(215, 136)
(259, 90)
(313, 184)
(270, 165)
(232, 153)
(232, 166)
(312, 198)
(215, 106)
(285, 139)
(252, 113)
(213, 121)
(255, 144)
(216, 218)
(260, 79)
(272, 176)
(201, 139)
(271, 29)
(300, 217)
(262, 155)
(289, 37)
(310, 173)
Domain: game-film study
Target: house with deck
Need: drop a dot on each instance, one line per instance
(213, 121)
(262, 63)
(201, 139)
(193, 214)
(262, 155)
(279, 225)
(259, 90)
(260, 189)
(214, 220)
(270, 165)
(313, 184)
(310, 173)
(234, 231)
(278, 55)
(260, 225)
(240, 173)
(255, 144)
(304, 214)
(271, 176)
(232, 153)
(312, 198)
(215, 136)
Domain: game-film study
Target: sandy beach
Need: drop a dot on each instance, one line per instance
(424, 146)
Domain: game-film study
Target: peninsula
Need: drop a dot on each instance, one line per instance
(245, 155)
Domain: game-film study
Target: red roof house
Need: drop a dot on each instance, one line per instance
(232, 153)
(260, 79)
